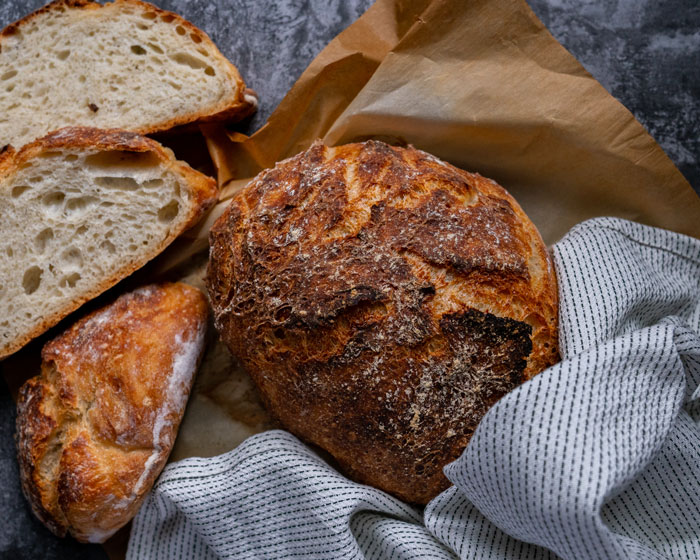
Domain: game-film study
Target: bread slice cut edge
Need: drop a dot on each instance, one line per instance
(235, 104)
(198, 191)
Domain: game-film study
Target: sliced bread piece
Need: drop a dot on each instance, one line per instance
(80, 209)
(126, 65)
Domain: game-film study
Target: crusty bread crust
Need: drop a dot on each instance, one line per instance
(95, 428)
(239, 104)
(202, 189)
(382, 300)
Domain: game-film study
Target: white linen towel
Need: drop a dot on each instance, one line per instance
(597, 457)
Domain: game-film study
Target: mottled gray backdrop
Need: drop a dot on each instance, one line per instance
(645, 52)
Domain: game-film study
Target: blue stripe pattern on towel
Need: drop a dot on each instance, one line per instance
(597, 457)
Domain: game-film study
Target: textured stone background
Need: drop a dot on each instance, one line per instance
(645, 52)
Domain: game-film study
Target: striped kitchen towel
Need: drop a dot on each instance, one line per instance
(597, 457)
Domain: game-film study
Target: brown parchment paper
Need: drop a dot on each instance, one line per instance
(479, 83)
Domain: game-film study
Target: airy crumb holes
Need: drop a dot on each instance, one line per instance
(32, 279)
(168, 212)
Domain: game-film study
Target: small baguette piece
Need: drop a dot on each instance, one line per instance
(95, 428)
(80, 210)
(126, 65)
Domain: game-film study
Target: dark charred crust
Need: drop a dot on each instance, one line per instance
(441, 395)
(328, 276)
(444, 235)
(504, 344)
(10, 30)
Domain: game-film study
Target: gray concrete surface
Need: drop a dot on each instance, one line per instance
(645, 52)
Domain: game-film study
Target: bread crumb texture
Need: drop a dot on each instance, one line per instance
(80, 210)
(125, 64)
(96, 427)
(382, 300)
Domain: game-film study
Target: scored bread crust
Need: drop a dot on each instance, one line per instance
(382, 301)
(95, 428)
(202, 189)
(239, 104)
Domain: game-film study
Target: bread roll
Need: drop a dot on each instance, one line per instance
(382, 300)
(95, 428)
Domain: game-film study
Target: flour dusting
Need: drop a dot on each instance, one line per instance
(184, 367)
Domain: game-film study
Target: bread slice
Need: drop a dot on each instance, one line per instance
(80, 209)
(95, 428)
(126, 65)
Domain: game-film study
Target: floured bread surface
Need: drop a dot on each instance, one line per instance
(80, 210)
(125, 65)
(96, 427)
(382, 300)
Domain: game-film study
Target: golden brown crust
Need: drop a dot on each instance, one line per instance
(15, 26)
(231, 109)
(382, 301)
(96, 427)
(203, 191)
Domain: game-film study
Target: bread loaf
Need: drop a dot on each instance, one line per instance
(79, 210)
(96, 427)
(126, 65)
(382, 300)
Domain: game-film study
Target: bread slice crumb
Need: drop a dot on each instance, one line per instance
(81, 209)
(126, 64)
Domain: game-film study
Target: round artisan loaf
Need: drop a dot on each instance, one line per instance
(382, 300)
